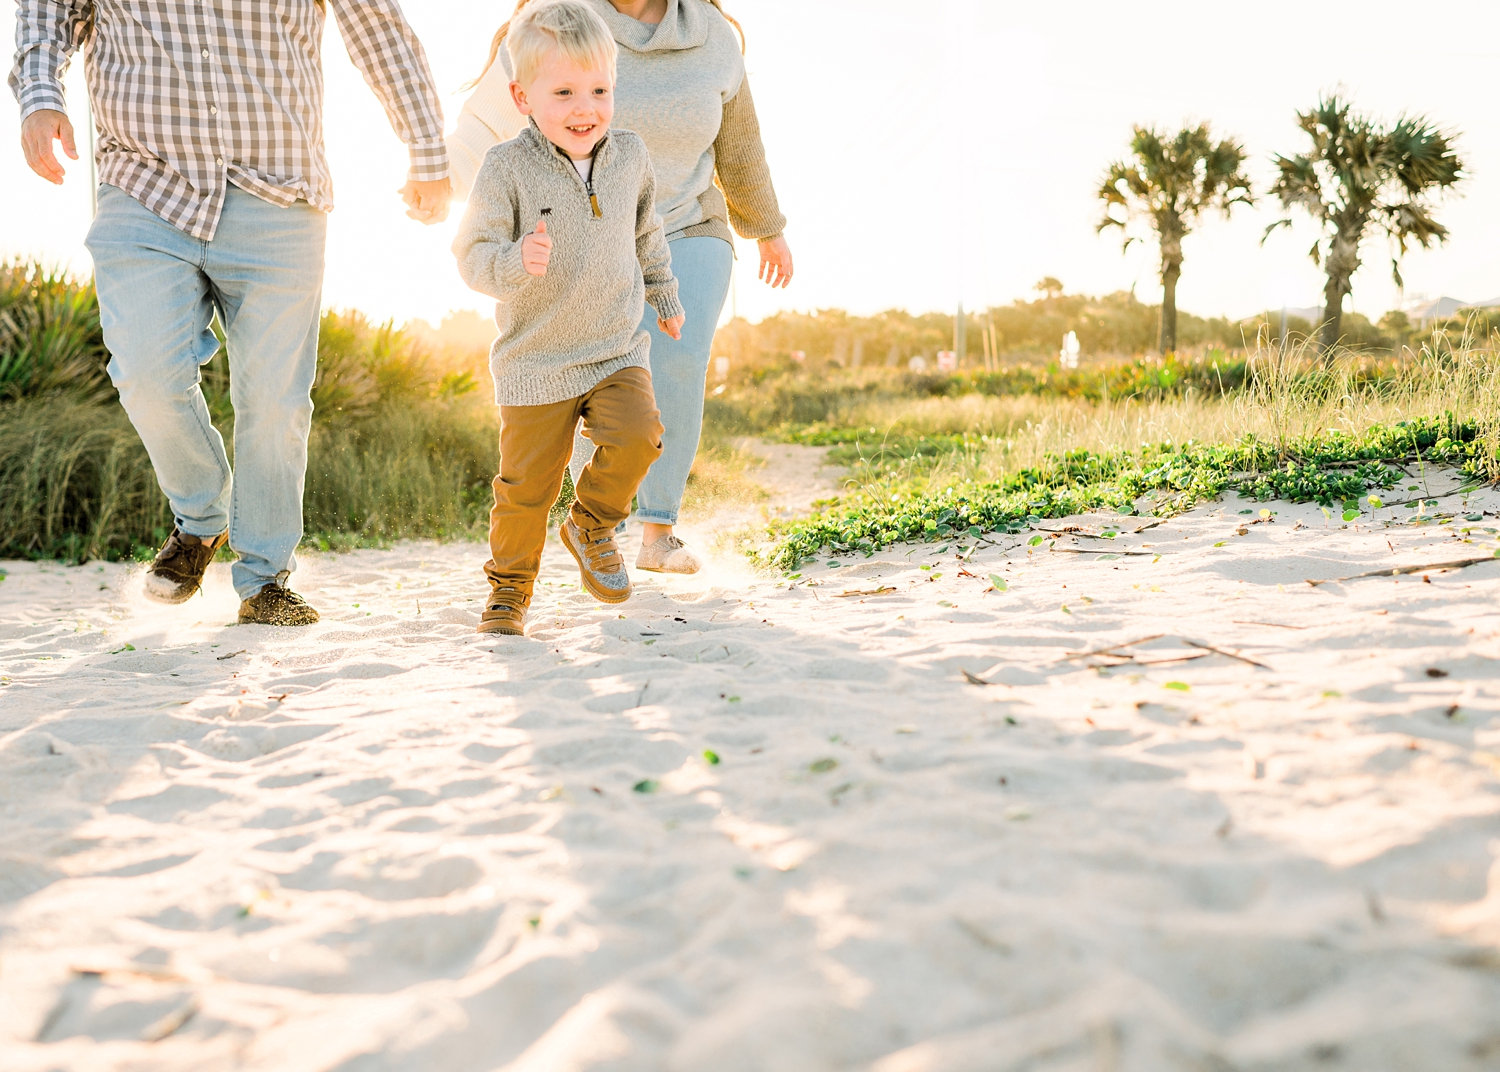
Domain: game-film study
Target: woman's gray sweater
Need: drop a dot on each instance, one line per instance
(564, 332)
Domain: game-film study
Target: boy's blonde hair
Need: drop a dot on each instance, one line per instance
(569, 27)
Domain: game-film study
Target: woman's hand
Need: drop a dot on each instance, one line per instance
(775, 261)
(427, 202)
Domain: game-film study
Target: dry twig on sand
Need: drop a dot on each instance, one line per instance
(1115, 651)
(1396, 571)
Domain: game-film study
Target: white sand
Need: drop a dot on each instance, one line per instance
(386, 842)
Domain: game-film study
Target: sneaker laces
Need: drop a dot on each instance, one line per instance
(280, 595)
(174, 549)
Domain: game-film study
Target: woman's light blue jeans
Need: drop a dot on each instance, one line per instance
(679, 370)
(159, 289)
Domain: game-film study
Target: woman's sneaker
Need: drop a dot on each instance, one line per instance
(600, 564)
(275, 605)
(177, 571)
(505, 613)
(667, 554)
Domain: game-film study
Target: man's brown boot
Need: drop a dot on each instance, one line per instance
(177, 571)
(276, 605)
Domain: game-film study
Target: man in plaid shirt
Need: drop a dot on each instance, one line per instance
(212, 200)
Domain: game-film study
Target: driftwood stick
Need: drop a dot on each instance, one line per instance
(1396, 571)
(1164, 662)
(1226, 654)
(1094, 551)
(1115, 647)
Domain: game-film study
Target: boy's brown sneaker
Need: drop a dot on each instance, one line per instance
(505, 613)
(276, 605)
(600, 564)
(177, 571)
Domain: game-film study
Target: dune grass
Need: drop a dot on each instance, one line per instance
(1303, 427)
(404, 438)
(75, 482)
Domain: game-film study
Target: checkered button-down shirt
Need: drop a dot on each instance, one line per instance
(190, 95)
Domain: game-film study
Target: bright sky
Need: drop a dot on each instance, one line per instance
(952, 149)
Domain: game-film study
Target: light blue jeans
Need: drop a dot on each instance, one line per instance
(679, 370)
(159, 289)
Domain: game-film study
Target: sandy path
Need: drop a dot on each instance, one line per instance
(389, 843)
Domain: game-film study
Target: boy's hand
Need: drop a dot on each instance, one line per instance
(536, 249)
(38, 131)
(672, 327)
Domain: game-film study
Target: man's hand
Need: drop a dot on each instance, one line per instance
(775, 261)
(672, 327)
(38, 131)
(536, 249)
(427, 202)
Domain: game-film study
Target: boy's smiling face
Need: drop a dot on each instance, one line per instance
(572, 105)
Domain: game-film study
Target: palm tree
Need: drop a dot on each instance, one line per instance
(1170, 184)
(1358, 177)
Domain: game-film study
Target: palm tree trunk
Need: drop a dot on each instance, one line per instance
(1171, 271)
(1341, 264)
(1333, 312)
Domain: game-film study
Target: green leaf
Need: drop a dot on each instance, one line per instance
(711, 757)
(1177, 686)
(822, 766)
(1375, 501)
(1351, 514)
(1065, 609)
(998, 582)
(1035, 540)
(646, 785)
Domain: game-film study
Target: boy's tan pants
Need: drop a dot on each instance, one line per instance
(620, 416)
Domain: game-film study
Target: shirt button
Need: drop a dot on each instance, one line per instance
(219, 160)
(213, 110)
(205, 53)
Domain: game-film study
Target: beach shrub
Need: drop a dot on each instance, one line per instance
(50, 340)
(1161, 479)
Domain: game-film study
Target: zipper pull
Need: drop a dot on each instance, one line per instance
(594, 204)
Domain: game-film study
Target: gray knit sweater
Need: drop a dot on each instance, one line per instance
(564, 332)
(682, 88)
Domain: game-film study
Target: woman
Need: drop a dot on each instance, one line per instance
(681, 86)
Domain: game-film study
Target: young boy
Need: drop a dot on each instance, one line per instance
(562, 230)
